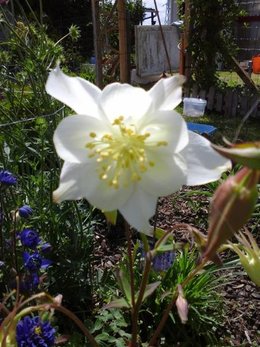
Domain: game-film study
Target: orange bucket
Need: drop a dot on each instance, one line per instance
(256, 63)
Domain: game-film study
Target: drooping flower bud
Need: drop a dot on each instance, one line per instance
(182, 306)
(231, 207)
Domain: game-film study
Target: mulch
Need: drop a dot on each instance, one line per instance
(241, 296)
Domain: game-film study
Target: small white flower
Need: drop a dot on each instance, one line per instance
(125, 147)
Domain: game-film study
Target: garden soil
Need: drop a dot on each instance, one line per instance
(241, 296)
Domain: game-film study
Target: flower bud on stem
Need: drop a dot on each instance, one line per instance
(231, 207)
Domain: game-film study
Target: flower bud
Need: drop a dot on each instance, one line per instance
(231, 207)
(182, 306)
(249, 254)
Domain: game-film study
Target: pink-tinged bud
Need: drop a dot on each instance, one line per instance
(231, 207)
(182, 306)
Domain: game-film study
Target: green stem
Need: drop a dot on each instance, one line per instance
(168, 309)
(131, 264)
(145, 277)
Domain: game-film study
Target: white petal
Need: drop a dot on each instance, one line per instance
(75, 92)
(167, 92)
(166, 126)
(204, 163)
(81, 181)
(125, 100)
(138, 209)
(72, 135)
(167, 176)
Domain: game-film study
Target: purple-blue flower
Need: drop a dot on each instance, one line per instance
(45, 247)
(33, 332)
(29, 238)
(25, 211)
(7, 178)
(162, 262)
(34, 262)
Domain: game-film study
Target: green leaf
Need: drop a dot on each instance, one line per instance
(247, 154)
(111, 216)
(149, 290)
(165, 248)
(122, 277)
(159, 233)
(102, 337)
(118, 303)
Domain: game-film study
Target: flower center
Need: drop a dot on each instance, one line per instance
(38, 330)
(122, 156)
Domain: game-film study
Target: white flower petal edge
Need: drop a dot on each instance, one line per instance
(80, 181)
(75, 92)
(167, 92)
(138, 209)
(123, 99)
(204, 163)
(71, 136)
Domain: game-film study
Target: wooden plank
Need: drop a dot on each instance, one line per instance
(194, 91)
(202, 94)
(243, 75)
(243, 106)
(251, 103)
(234, 103)
(219, 102)
(227, 103)
(211, 97)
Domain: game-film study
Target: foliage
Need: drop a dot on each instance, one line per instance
(206, 312)
(211, 24)
(109, 31)
(28, 117)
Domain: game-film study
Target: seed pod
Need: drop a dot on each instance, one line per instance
(231, 207)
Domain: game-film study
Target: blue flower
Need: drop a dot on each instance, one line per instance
(162, 262)
(33, 332)
(34, 262)
(7, 178)
(45, 247)
(29, 238)
(25, 211)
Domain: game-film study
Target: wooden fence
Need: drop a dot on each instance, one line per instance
(231, 103)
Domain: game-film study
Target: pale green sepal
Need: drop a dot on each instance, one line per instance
(111, 216)
(247, 154)
(149, 290)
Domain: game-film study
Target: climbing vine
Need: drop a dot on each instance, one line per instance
(211, 36)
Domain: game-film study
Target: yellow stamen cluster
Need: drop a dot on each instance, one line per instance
(122, 154)
(38, 330)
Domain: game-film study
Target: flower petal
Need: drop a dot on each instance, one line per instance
(167, 92)
(81, 181)
(204, 163)
(72, 135)
(167, 176)
(138, 209)
(166, 126)
(75, 92)
(125, 100)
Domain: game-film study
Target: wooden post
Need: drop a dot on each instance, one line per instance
(187, 33)
(97, 42)
(123, 53)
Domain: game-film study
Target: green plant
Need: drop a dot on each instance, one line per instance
(211, 23)
(206, 309)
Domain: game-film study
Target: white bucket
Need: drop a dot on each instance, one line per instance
(194, 107)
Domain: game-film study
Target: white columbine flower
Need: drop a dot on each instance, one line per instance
(125, 146)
